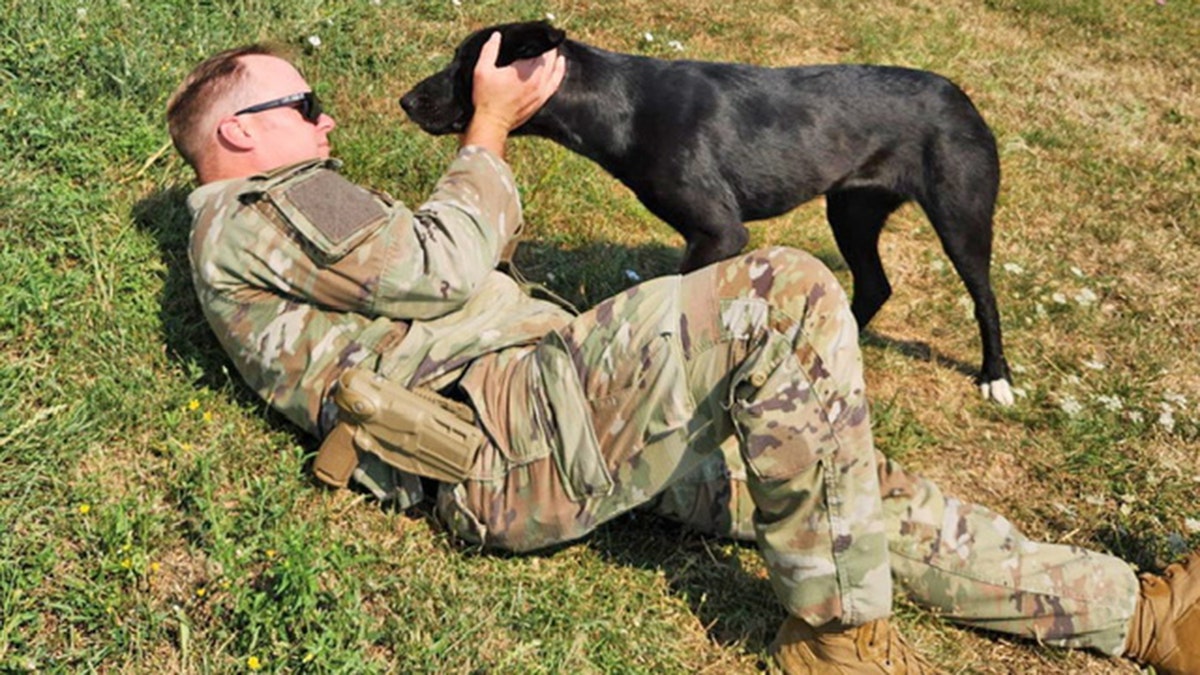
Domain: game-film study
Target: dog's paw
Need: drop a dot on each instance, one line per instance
(999, 391)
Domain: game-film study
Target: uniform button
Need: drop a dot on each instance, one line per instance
(758, 379)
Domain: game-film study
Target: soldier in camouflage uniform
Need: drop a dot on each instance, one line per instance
(731, 398)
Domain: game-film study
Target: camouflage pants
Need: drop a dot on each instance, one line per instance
(631, 404)
(968, 564)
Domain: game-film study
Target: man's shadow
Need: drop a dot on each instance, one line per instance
(187, 337)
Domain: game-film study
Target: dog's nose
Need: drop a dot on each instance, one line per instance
(408, 102)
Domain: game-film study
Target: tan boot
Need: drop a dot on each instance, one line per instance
(874, 648)
(1166, 624)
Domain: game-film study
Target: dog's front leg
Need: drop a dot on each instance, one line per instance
(711, 245)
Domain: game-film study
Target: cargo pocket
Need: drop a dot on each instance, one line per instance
(780, 416)
(558, 422)
(652, 403)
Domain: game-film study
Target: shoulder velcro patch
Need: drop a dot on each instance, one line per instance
(328, 211)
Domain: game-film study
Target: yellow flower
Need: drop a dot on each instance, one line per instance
(253, 663)
(208, 416)
(193, 404)
(155, 567)
(84, 509)
(309, 657)
(200, 592)
(126, 563)
(270, 553)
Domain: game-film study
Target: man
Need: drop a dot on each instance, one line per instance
(390, 334)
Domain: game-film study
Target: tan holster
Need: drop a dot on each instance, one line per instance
(417, 431)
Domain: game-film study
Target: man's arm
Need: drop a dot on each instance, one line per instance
(406, 265)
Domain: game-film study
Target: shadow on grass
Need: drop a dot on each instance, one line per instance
(918, 350)
(735, 604)
(186, 334)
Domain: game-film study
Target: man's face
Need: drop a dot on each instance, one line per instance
(282, 135)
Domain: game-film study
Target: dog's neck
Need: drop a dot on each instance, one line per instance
(583, 115)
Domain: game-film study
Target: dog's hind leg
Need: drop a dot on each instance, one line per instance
(857, 217)
(965, 227)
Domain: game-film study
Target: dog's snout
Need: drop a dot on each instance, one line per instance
(408, 102)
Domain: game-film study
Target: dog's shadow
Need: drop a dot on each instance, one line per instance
(917, 350)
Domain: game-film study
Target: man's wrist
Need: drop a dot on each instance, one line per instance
(486, 133)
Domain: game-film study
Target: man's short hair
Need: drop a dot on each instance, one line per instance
(208, 82)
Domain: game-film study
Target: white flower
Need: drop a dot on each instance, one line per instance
(676, 45)
(632, 276)
(550, 16)
(1167, 420)
(1086, 297)
(1013, 268)
(1192, 525)
(1136, 416)
(1110, 403)
(647, 37)
(456, 3)
(1059, 298)
(1094, 365)
(314, 40)
(1077, 272)
(81, 12)
(550, 276)
(938, 265)
(1070, 406)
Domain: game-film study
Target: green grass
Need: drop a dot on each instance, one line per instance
(156, 517)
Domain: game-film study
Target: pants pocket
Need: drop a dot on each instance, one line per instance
(560, 423)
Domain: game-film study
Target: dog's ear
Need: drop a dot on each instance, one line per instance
(527, 40)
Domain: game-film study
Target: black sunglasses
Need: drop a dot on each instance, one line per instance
(306, 103)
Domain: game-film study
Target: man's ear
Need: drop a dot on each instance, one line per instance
(233, 134)
(527, 40)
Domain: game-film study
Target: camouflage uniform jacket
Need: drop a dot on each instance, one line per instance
(301, 274)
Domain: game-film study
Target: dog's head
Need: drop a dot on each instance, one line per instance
(442, 104)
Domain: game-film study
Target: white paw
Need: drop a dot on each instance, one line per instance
(999, 391)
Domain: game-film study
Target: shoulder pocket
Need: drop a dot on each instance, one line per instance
(330, 213)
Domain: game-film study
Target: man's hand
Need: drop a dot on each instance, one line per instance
(506, 97)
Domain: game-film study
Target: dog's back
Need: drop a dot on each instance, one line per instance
(777, 137)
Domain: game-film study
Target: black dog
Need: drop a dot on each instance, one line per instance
(709, 146)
